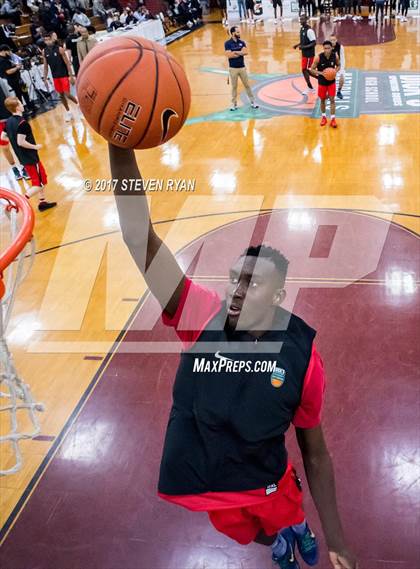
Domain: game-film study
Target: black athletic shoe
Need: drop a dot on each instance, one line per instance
(25, 174)
(43, 205)
(16, 173)
(339, 94)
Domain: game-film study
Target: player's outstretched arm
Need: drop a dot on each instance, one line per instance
(157, 264)
(320, 475)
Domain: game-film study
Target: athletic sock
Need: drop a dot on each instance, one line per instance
(279, 546)
(324, 115)
(332, 116)
(300, 528)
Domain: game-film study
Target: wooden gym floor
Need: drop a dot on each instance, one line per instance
(361, 179)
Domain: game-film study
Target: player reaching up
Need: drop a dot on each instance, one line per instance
(224, 451)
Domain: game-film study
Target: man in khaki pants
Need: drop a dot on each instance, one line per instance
(235, 50)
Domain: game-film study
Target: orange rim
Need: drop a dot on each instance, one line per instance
(19, 203)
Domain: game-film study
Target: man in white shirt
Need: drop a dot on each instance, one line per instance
(80, 18)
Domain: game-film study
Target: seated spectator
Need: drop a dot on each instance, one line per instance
(127, 17)
(98, 9)
(115, 23)
(10, 9)
(80, 18)
(33, 6)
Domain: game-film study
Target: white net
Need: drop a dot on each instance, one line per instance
(18, 410)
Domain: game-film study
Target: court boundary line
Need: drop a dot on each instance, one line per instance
(55, 447)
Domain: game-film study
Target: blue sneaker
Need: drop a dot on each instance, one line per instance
(288, 559)
(307, 545)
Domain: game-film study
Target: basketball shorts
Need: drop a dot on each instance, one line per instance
(2, 128)
(277, 3)
(325, 91)
(37, 173)
(279, 511)
(61, 84)
(307, 62)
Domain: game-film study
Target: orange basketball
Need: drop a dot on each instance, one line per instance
(329, 73)
(133, 92)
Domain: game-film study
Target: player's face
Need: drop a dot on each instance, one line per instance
(253, 292)
(303, 20)
(236, 33)
(327, 50)
(333, 40)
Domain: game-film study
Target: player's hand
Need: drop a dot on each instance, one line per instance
(45, 80)
(72, 80)
(296, 46)
(343, 559)
(38, 146)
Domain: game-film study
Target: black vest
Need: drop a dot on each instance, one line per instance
(304, 40)
(226, 429)
(323, 64)
(55, 61)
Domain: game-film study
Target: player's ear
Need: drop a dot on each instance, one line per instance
(279, 296)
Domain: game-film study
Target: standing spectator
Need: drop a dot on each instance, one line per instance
(71, 47)
(9, 10)
(85, 43)
(80, 18)
(235, 50)
(56, 59)
(18, 131)
(250, 10)
(11, 72)
(277, 4)
(380, 4)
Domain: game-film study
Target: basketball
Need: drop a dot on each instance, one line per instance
(329, 73)
(133, 92)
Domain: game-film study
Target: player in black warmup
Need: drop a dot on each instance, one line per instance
(326, 88)
(225, 452)
(307, 45)
(18, 131)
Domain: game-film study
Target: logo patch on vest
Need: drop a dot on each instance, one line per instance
(271, 488)
(278, 377)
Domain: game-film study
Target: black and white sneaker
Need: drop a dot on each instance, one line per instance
(234, 108)
(255, 106)
(16, 173)
(25, 174)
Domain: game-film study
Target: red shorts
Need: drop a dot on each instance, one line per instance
(62, 85)
(325, 91)
(2, 128)
(307, 62)
(281, 511)
(37, 173)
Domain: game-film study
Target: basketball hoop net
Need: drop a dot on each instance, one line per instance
(15, 395)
